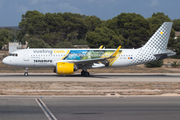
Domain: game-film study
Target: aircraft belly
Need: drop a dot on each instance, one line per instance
(121, 62)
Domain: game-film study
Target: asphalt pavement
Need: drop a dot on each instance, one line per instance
(124, 77)
(89, 108)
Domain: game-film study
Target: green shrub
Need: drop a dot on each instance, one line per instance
(154, 64)
(175, 64)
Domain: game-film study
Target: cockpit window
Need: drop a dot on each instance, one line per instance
(13, 54)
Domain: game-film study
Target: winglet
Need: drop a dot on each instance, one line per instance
(116, 52)
(101, 47)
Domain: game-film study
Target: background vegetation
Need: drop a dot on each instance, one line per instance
(154, 64)
(130, 30)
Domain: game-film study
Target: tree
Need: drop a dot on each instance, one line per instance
(4, 37)
(133, 27)
(93, 22)
(156, 20)
(49, 38)
(176, 24)
(53, 27)
(174, 44)
(103, 36)
(78, 42)
(37, 43)
(63, 45)
(130, 30)
(116, 41)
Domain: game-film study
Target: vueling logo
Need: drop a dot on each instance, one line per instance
(58, 51)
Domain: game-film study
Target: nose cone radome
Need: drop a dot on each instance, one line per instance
(5, 61)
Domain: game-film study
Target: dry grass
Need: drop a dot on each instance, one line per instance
(87, 88)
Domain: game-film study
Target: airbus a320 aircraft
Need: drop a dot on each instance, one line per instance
(66, 61)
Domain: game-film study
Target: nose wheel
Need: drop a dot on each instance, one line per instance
(26, 72)
(85, 73)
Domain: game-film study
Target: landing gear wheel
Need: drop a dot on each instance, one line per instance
(83, 73)
(26, 74)
(86, 74)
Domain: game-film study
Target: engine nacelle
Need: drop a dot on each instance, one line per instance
(64, 68)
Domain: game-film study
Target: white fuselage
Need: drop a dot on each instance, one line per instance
(49, 57)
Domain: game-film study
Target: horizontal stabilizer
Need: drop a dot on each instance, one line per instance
(168, 53)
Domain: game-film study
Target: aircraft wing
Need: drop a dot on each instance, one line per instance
(97, 60)
(90, 61)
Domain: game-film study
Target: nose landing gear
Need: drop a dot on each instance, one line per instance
(26, 72)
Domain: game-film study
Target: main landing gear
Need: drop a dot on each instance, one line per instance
(26, 72)
(85, 73)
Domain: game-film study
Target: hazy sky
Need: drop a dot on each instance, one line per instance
(12, 10)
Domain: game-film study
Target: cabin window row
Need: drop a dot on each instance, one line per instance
(13, 54)
(82, 55)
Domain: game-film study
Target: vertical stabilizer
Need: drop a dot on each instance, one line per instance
(158, 42)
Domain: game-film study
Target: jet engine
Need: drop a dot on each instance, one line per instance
(64, 68)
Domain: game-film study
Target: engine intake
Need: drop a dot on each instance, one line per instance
(63, 68)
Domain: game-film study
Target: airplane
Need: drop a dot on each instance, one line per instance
(67, 61)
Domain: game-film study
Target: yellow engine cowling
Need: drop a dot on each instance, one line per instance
(64, 68)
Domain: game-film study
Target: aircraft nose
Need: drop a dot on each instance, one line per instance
(5, 60)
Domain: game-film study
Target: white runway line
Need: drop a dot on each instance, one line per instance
(45, 109)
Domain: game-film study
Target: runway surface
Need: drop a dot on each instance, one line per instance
(124, 77)
(90, 108)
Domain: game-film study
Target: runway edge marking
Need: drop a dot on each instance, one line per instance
(45, 109)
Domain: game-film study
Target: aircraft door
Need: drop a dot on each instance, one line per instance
(26, 55)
